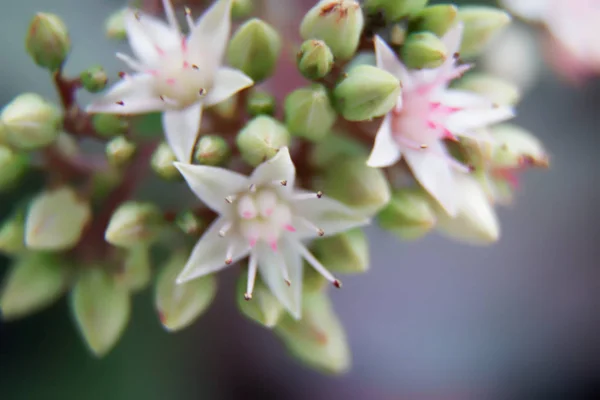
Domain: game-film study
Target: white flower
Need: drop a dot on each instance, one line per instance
(263, 216)
(175, 74)
(426, 113)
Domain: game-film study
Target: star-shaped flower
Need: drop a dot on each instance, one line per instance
(427, 113)
(175, 74)
(263, 216)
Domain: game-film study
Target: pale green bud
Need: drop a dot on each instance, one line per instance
(515, 147)
(134, 223)
(309, 113)
(12, 167)
(66, 145)
(226, 109)
(352, 182)
(254, 49)
(398, 35)
(162, 163)
(101, 308)
(361, 58)
(94, 79)
(326, 152)
(120, 151)
(423, 50)
(261, 139)
(190, 223)
(263, 307)
(48, 41)
(409, 214)
(212, 150)
(104, 181)
(339, 23)
(318, 339)
(394, 10)
(56, 219)
(346, 252)
(315, 59)
(115, 25)
(260, 103)
(366, 92)
(135, 272)
(312, 281)
(436, 19)
(178, 305)
(499, 91)
(35, 281)
(110, 125)
(481, 24)
(241, 9)
(29, 122)
(12, 234)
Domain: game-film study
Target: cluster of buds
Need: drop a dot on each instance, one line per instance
(393, 128)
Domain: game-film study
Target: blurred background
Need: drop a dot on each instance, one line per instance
(431, 320)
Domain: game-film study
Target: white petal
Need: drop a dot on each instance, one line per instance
(385, 150)
(279, 168)
(432, 170)
(452, 40)
(463, 99)
(181, 130)
(529, 9)
(463, 121)
(227, 82)
(210, 252)
(147, 35)
(387, 60)
(170, 13)
(212, 184)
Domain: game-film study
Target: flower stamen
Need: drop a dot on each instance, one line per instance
(307, 255)
(252, 268)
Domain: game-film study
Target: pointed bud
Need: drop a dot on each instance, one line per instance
(94, 79)
(260, 103)
(339, 23)
(352, 182)
(315, 59)
(309, 113)
(423, 50)
(436, 19)
(226, 109)
(481, 25)
(394, 10)
(101, 309)
(347, 252)
(409, 214)
(135, 272)
(178, 305)
(56, 220)
(120, 151)
(514, 147)
(241, 9)
(12, 234)
(261, 138)
(318, 339)
(366, 92)
(190, 223)
(497, 90)
(12, 166)
(334, 146)
(398, 35)
(134, 223)
(162, 163)
(263, 308)
(212, 150)
(110, 125)
(48, 41)
(254, 49)
(115, 25)
(29, 122)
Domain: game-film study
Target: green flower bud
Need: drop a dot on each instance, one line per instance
(339, 23)
(315, 59)
(352, 182)
(178, 305)
(499, 91)
(326, 152)
(104, 181)
(318, 339)
(362, 58)
(12, 234)
(94, 79)
(409, 214)
(423, 50)
(12, 166)
(436, 19)
(514, 147)
(312, 281)
(56, 220)
(101, 309)
(263, 308)
(48, 41)
(212, 150)
(110, 125)
(394, 10)
(346, 252)
(241, 9)
(135, 272)
(260, 103)
(397, 35)
(309, 113)
(120, 151)
(366, 92)
(115, 25)
(190, 223)
(162, 163)
(254, 49)
(481, 24)
(226, 109)
(261, 139)
(29, 122)
(134, 223)
(66, 145)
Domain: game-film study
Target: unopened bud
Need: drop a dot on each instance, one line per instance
(110, 125)
(514, 147)
(261, 139)
(134, 223)
(12, 167)
(481, 24)
(263, 307)
(436, 19)
(48, 41)
(162, 163)
(497, 90)
(115, 25)
(346, 252)
(212, 150)
(227, 108)
(254, 49)
(339, 23)
(135, 272)
(327, 152)
(12, 234)
(190, 223)
(120, 151)
(409, 214)
(94, 79)
(309, 113)
(394, 10)
(314, 59)
(423, 50)
(366, 92)
(29, 122)
(398, 35)
(241, 9)
(260, 103)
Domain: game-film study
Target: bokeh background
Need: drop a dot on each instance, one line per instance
(431, 320)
